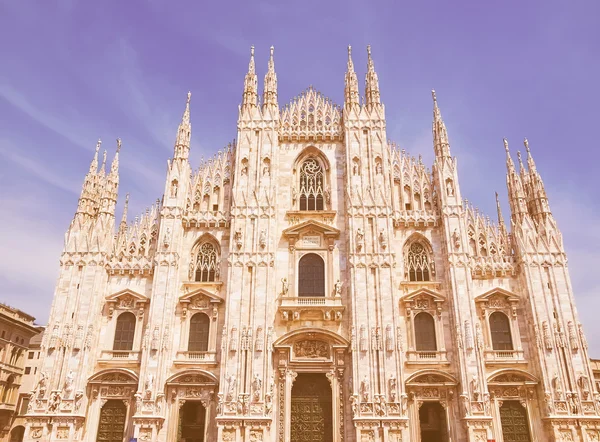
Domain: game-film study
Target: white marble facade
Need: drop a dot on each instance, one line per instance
(412, 285)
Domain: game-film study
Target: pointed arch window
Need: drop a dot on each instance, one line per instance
(124, 332)
(425, 332)
(312, 185)
(418, 264)
(199, 329)
(205, 263)
(500, 331)
(311, 276)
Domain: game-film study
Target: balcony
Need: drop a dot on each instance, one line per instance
(426, 357)
(195, 358)
(297, 308)
(504, 357)
(121, 357)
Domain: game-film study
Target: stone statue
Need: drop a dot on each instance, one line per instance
(338, 288)
(285, 286)
(68, 385)
(392, 385)
(256, 387)
(365, 389)
(231, 383)
(41, 385)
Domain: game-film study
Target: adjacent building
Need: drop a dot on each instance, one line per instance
(314, 282)
(17, 330)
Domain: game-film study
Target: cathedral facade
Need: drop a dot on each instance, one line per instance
(313, 282)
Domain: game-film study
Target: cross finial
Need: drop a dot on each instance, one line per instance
(505, 144)
(118, 144)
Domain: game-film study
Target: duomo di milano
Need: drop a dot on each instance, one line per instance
(313, 282)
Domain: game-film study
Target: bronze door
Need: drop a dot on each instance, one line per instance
(515, 427)
(112, 422)
(311, 413)
(192, 419)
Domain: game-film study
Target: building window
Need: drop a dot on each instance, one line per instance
(311, 185)
(500, 331)
(27, 370)
(205, 263)
(311, 276)
(124, 332)
(24, 405)
(425, 332)
(418, 267)
(199, 328)
(8, 389)
(30, 355)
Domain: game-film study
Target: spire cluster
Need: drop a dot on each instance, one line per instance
(99, 190)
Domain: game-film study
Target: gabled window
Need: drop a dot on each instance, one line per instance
(311, 275)
(205, 263)
(312, 182)
(425, 332)
(124, 332)
(199, 328)
(500, 331)
(417, 263)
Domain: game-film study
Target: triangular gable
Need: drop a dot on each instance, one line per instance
(326, 230)
(138, 298)
(510, 296)
(213, 297)
(437, 297)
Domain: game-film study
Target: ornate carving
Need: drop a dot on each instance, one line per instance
(311, 349)
(365, 390)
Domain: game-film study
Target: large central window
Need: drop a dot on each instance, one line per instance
(311, 276)
(311, 185)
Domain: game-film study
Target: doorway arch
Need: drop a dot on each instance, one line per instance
(192, 422)
(311, 409)
(113, 415)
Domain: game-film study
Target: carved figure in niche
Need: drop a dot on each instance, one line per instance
(382, 239)
(392, 386)
(546, 336)
(154, 342)
(311, 349)
(244, 170)
(327, 194)
(262, 238)
(238, 237)
(378, 167)
(572, 336)
(449, 188)
(54, 402)
(365, 389)
(355, 170)
(363, 338)
(68, 385)
(231, 383)
(558, 395)
(466, 406)
(286, 316)
(582, 336)
(77, 401)
(285, 287)
(549, 403)
(456, 239)
(404, 403)
(149, 385)
(41, 385)
(266, 168)
(174, 189)
(360, 238)
(328, 315)
(256, 387)
(294, 194)
(583, 382)
(475, 387)
(478, 337)
(338, 288)
(296, 316)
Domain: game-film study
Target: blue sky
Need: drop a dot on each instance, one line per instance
(73, 71)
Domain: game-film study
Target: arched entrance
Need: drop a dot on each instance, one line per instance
(514, 422)
(432, 422)
(311, 409)
(192, 422)
(112, 421)
(17, 433)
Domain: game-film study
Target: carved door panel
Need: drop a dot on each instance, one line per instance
(112, 422)
(311, 412)
(515, 427)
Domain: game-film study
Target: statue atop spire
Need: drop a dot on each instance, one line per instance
(250, 95)
(184, 133)
(440, 135)
(270, 86)
(351, 86)
(372, 95)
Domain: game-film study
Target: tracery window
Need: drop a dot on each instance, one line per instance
(500, 331)
(124, 332)
(311, 185)
(425, 332)
(418, 266)
(205, 263)
(199, 329)
(311, 276)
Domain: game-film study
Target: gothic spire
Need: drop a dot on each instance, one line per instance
(440, 135)
(270, 87)
(372, 82)
(530, 161)
(538, 200)
(516, 194)
(123, 225)
(88, 198)
(94, 163)
(114, 167)
(500, 217)
(351, 89)
(184, 132)
(250, 83)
